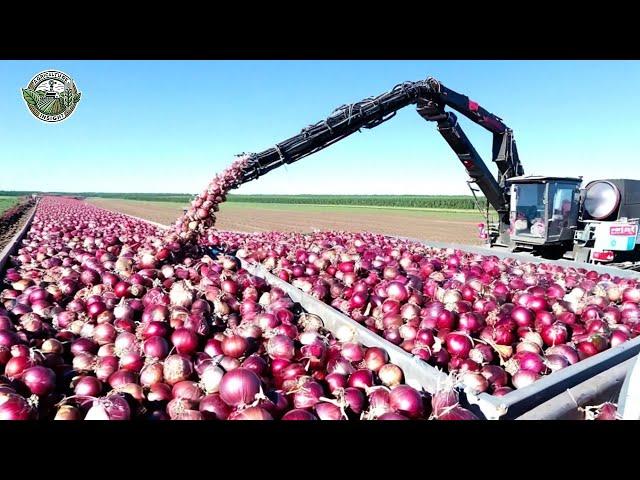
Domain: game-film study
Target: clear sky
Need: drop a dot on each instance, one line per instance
(169, 126)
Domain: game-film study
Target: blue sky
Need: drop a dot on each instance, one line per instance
(169, 126)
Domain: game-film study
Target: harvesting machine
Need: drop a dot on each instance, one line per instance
(547, 216)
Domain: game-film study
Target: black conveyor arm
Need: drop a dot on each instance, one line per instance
(431, 97)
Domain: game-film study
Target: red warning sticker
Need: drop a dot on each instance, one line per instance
(624, 230)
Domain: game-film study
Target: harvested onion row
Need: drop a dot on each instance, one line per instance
(506, 320)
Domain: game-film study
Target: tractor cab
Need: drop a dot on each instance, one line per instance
(543, 211)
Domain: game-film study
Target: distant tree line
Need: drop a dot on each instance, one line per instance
(460, 202)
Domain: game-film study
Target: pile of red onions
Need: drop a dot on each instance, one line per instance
(502, 323)
(200, 216)
(101, 319)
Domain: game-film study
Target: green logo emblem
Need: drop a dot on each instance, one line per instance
(51, 96)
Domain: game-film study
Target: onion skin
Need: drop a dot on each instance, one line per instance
(176, 369)
(457, 413)
(328, 411)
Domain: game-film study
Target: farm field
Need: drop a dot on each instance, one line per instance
(428, 224)
(453, 202)
(10, 219)
(6, 202)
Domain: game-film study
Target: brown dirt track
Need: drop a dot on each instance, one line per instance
(10, 226)
(428, 225)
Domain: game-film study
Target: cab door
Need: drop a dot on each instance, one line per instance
(563, 210)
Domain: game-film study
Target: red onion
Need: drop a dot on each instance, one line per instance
(355, 400)
(39, 380)
(446, 320)
(522, 316)
(211, 378)
(375, 358)
(131, 361)
(406, 401)
(608, 411)
(457, 413)
(308, 395)
(352, 352)
(213, 407)
(379, 402)
(68, 412)
(185, 341)
(111, 407)
(556, 362)
(392, 416)
(16, 366)
(88, 386)
(495, 375)
(252, 413)
(239, 387)
(555, 334)
(362, 379)
(481, 354)
(566, 351)
(631, 295)
(530, 361)
(187, 390)
(475, 381)
(14, 407)
(256, 364)
(336, 381)
(299, 414)
(176, 369)
(501, 391)
(470, 322)
(458, 344)
(328, 411)
(151, 374)
(425, 337)
(280, 346)
(160, 392)
(618, 337)
(524, 378)
(390, 375)
(397, 291)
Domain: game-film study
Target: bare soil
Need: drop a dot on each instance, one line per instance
(10, 225)
(428, 225)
